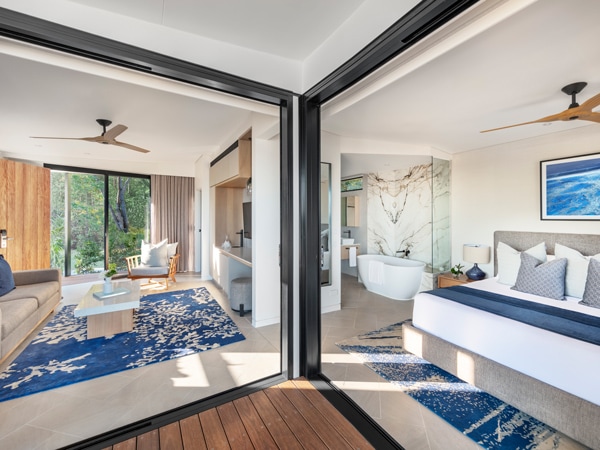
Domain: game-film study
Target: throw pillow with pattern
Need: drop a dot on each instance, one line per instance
(591, 295)
(543, 279)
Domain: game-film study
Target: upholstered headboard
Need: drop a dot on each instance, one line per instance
(587, 244)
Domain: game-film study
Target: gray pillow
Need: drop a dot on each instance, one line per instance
(544, 279)
(591, 295)
(7, 281)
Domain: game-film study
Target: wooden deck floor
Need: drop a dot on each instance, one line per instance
(291, 415)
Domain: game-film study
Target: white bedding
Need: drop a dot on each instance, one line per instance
(563, 362)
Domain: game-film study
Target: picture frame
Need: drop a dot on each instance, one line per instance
(352, 184)
(570, 188)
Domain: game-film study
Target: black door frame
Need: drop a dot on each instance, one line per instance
(424, 18)
(22, 27)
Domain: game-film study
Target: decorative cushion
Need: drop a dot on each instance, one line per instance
(591, 294)
(7, 281)
(171, 250)
(509, 261)
(577, 269)
(154, 255)
(544, 279)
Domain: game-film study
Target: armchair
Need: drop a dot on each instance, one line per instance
(136, 270)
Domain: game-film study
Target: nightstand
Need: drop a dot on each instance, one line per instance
(446, 279)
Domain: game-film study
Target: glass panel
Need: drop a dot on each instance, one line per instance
(325, 224)
(440, 233)
(85, 222)
(57, 220)
(129, 217)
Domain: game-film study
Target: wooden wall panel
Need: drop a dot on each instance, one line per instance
(25, 214)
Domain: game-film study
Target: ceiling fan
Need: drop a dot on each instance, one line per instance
(573, 112)
(107, 137)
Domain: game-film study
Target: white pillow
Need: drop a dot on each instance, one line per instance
(154, 255)
(509, 261)
(171, 250)
(577, 269)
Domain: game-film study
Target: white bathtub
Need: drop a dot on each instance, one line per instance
(396, 278)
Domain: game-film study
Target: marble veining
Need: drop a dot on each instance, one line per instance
(408, 210)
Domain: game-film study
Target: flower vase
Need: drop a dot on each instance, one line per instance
(108, 287)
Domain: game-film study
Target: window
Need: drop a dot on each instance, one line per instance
(96, 218)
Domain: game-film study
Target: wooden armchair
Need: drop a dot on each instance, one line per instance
(136, 270)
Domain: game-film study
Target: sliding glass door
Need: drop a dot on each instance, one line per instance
(96, 219)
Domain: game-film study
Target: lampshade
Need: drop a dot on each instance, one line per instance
(476, 253)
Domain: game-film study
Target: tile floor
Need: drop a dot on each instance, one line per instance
(63, 416)
(411, 424)
(66, 415)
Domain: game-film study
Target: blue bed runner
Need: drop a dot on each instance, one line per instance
(568, 323)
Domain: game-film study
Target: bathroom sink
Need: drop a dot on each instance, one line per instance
(347, 241)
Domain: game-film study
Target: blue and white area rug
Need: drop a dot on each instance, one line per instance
(485, 419)
(166, 326)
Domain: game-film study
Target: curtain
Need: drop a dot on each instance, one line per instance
(172, 215)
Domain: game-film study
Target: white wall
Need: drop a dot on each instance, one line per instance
(266, 223)
(498, 188)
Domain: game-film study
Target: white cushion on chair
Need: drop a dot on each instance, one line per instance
(154, 255)
(172, 249)
(149, 271)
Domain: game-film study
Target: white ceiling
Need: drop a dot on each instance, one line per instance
(509, 73)
(271, 26)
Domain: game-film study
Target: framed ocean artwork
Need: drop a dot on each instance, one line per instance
(570, 188)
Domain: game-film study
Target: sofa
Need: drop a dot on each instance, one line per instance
(22, 309)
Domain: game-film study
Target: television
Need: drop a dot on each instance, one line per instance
(247, 218)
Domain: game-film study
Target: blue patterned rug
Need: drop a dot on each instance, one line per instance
(166, 326)
(485, 419)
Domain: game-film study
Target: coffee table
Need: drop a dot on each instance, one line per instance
(109, 314)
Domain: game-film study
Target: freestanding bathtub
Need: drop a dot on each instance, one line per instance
(396, 278)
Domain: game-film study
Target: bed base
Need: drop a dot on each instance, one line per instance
(571, 415)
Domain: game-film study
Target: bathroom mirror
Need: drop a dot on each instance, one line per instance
(325, 224)
(350, 211)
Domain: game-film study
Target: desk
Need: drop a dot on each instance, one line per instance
(235, 262)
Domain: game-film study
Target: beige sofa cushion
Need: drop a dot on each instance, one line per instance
(15, 313)
(42, 292)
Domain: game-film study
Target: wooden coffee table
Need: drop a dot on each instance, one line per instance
(109, 314)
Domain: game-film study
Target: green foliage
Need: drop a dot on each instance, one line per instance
(86, 257)
(112, 270)
(128, 218)
(457, 270)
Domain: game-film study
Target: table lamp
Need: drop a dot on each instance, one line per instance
(477, 254)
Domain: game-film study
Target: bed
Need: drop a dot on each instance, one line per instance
(551, 376)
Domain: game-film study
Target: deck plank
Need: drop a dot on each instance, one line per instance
(291, 416)
(235, 430)
(299, 426)
(191, 433)
(149, 440)
(332, 415)
(170, 436)
(332, 437)
(214, 433)
(258, 432)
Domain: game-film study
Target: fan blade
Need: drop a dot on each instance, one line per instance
(591, 116)
(114, 132)
(130, 147)
(591, 103)
(551, 118)
(90, 139)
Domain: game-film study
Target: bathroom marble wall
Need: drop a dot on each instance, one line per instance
(408, 208)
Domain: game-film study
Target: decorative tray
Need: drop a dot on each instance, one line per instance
(100, 295)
